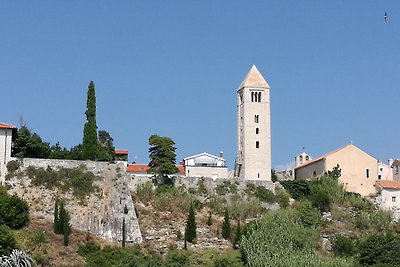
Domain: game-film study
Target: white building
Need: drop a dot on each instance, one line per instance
(6, 131)
(390, 196)
(253, 160)
(205, 165)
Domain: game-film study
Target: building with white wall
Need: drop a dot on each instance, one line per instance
(390, 196)
(206, 165)
(6, 132)
(253, 159)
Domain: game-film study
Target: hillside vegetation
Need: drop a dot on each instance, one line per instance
(323, 226)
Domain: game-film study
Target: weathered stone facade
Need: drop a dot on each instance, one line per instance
(101, 215)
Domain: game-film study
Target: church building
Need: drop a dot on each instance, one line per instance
(253, 160)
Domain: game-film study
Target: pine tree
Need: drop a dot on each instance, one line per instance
(89, 143)
(190, 230)
(226, 225)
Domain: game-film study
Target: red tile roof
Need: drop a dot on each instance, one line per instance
(391, 184)
(142, 168)
(121, 151)
(323, 156)
(7, 126)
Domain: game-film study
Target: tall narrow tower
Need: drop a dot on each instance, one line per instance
(253, 160)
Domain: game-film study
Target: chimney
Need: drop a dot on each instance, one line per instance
(221, 154)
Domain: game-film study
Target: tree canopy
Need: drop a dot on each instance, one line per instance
(162, 156)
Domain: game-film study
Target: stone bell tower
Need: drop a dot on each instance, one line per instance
(253, 160)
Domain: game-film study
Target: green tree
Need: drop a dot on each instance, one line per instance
(226, 225)
(89, 143)
(56, 220)
(106, 147)
(28, 145)
(56, 152)
(123, 233)
(162, 156)
(61, 223)
(209, 219)
(190, 230)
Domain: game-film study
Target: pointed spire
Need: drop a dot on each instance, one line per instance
(254, 79)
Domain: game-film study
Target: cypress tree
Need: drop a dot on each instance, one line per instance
(89, 143)
(226, 225)
(209, 219)
(63, 224)
(123, 233)
(56, 222)
(190, 230)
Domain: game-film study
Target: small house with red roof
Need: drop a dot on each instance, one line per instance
(359, 170)
(6, 132)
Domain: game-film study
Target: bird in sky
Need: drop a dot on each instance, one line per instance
(386, 16)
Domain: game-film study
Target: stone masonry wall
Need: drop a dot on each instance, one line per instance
(101, 215)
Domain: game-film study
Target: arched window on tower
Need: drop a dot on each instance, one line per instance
(259, 97)
(256, 118)
(252, 96)
(257, 144)
(257, 130)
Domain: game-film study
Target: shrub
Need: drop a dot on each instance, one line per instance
(12, 166)
(307, 214)
(342, 245)
(297, 188)
(282, 198)
(145, 192)
(321, 200)
(14, 212)
(7, 241)
(379, 248)
(88, 248)
(265, 195)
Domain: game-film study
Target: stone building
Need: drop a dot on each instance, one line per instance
(359, 169)
(206, 165)
(253, 160)
(6, 132)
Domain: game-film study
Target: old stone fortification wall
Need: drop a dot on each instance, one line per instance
(100, 214)
(192, 182)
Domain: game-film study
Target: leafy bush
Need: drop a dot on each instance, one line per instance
(282, 198)
(278, 240)
(297, 188)
(7, 241)
(78, 180)
(379, 248)
(12, 166)
(14, 212)
(307, 214)
(264, 194)
(321, 199)
(88, 248)
(342, 245)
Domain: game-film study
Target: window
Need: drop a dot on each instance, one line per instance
(379, 177)
(381, 169)
(257, 144)
(314, 174)
(259, 97)
(307, 158)
(258, 175)
(257, 131)
(396, 169)
(393, 199)
(256, 117)
(252, 96)
(366, 173)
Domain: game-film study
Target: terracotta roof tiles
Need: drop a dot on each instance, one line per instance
(6, 126)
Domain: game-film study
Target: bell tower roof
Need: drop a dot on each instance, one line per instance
(254, 79)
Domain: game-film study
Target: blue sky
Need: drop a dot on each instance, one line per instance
(172, 68)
